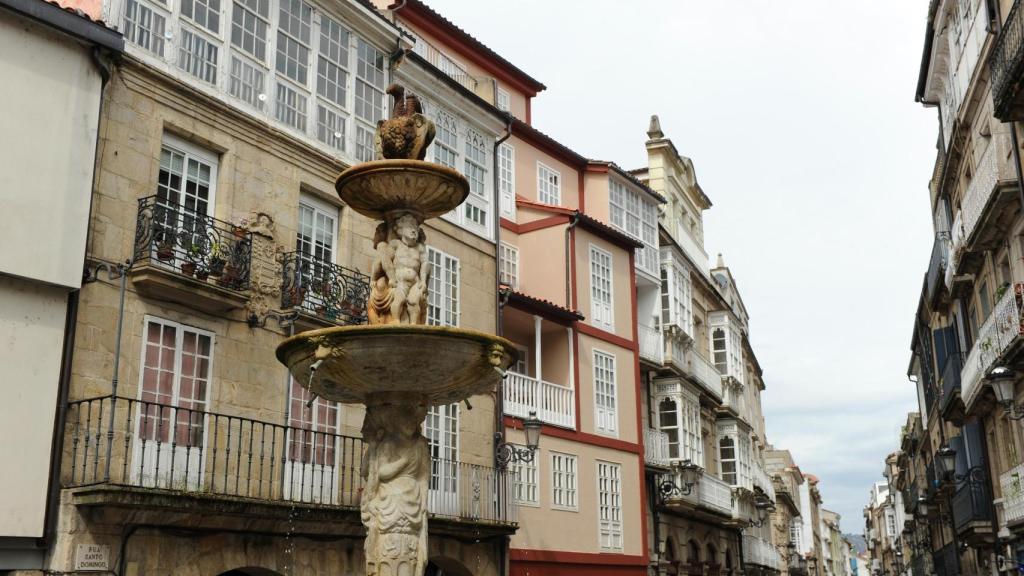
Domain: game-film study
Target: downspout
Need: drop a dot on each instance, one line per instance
(67, 354)
(497, 222)
(568, 261)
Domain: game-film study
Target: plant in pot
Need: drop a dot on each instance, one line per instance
(165, 250)
(202, 273)
(297, 295)
(216, 261)
(229, 279)
(188, 266)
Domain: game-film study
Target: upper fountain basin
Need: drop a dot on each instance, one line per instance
(436, 364)
(428, 190)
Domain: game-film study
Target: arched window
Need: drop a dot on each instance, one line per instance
(712, 554)
(694, 550)
(718, 348)
(727, 455)
(670, 558)
(728, 562)
(669, 423)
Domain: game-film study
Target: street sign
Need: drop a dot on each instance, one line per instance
(90, 557)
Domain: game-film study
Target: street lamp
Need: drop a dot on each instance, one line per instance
(504, 453)
(764, 508)
(947, 460)
(973, 475)
(922, 507)
(1003, 381)
(688, 472)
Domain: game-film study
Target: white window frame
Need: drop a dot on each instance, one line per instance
(193, 152)
(321, 208)
(606, 416)
(450, 292)
(502, 100)
(602, 314)
(257, 97)
(507, 179)
(525, 481)
(609, 506)
(548, 193)
(508, 265)
(565, 479)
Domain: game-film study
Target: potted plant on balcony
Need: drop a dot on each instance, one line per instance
(188, 266)
(229, 279)
(165, 250)
(202, 273)
(216, 261)
(297, 295)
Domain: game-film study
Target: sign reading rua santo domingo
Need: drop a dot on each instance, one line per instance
(92, 557)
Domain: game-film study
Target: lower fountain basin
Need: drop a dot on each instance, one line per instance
(436, 364)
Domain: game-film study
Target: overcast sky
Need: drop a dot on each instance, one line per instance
(799, 116)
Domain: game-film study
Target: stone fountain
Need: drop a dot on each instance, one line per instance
(397, 366)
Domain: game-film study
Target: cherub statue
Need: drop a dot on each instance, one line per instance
(400, 273)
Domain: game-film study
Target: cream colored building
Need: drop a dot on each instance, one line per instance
(54, 63)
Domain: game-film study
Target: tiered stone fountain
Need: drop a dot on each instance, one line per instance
(397, 366)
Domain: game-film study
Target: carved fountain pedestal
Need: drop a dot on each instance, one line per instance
(397, 366)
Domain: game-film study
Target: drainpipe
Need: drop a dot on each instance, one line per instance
(497, 222)
(568, 261)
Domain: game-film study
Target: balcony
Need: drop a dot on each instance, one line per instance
(323, 291)
(133, 454)
(1012, 495)
(763, 481)
(984, 212)
(760, 553)
(937, 265)
(998, 337)
(652, 348)
(554, 404)
(972, 508)
(946, 560)
(442, 62)
(716, 495)
(191, 258)
(951, 405)
(656, 452)
(705, 373)
(1008, 66)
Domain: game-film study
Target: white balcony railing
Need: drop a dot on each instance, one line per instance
(656, 448)
(956, 240)
(763, 481)
(716, 494)
(647, 260)
(760, 552)
(705, 373)
(445, 64)
(1001, 328)
(1013, 495)
(693, 250)
(991, 168)
(553, 404)
(651, 346)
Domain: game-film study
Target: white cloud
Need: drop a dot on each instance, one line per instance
(800, 119)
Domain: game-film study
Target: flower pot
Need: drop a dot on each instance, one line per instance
(216, 266)
(188, 268)
(165, 252)
(202, 274)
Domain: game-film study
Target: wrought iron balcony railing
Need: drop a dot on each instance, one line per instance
(972, 502)
(1008, 66)
(123, 442)
(172, 237)
(323, 289)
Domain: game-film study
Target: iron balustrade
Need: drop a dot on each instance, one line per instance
(938, 262)
(124, 442)
(971, 503)
(1008, 64)
(946, 560)
(173, 237)
(324, 289)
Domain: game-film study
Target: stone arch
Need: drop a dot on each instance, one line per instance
(443, 566)
(250, 571)
(670, 557)
(712, 553)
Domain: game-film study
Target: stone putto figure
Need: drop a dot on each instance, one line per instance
(398, 290)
